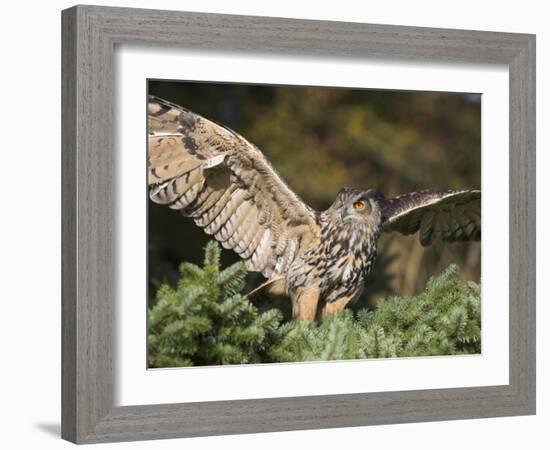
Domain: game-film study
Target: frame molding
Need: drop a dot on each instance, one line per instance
(89, 36)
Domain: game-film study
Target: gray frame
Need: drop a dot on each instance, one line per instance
(90, 34)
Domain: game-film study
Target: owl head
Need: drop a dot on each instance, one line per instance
(357, 206)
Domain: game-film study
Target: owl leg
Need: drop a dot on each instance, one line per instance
(338, 305)
(304, 303)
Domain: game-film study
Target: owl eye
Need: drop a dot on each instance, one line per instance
(359, 205)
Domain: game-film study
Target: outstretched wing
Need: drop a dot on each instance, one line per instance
(450, 215)
(227, 186)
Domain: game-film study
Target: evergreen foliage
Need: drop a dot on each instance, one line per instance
(206, 320)
(337, 336)
(445, 319)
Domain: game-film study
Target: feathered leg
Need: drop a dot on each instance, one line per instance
(329, 308)
(304, 303)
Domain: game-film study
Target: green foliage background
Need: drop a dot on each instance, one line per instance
(206, 320)
(321, 139)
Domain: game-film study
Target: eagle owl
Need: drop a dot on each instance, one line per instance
(319, 259)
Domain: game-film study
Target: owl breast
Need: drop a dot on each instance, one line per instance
(339, 264)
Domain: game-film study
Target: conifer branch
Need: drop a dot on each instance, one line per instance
(206, 320)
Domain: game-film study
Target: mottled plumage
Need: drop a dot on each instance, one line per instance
(318, 259)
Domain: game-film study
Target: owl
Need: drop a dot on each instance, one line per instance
(318, 259)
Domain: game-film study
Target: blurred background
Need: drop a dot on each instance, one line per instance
(321, 139)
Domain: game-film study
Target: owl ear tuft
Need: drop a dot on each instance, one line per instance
(375, 194)
(344, 192)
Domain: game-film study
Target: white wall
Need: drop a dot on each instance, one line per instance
(30, 221)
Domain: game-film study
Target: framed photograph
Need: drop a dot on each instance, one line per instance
(278, 224)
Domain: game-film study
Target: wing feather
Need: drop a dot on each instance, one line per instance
(227, 186)
(208, 200)
(215, 210)
(231, 226)
(244, 230)
(449, 215)
(255, 234)
(235, 200)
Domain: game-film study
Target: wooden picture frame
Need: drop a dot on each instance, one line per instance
(90, 34)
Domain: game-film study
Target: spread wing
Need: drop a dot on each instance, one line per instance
(227, 186)
(450, 215)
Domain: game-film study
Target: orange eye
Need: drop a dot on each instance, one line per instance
(359, 205)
